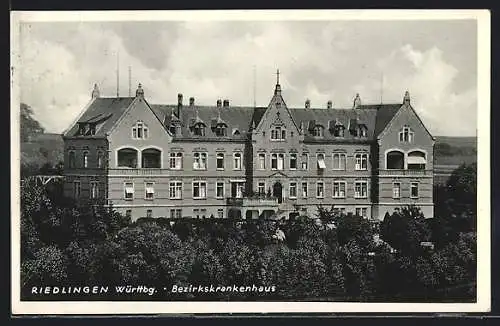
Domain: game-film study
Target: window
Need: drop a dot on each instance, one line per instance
(220, 213)
(85, 159)
(221, 130)
(196, 212)
(293, 190)
(304, 190)
(127, 157)
(262, 161)
(149, 191)
(395, 160)
(219, 190)
(175, 190)
(71, 159)
(318, 131)
(339, 161)
(199, 190)
(100, 159)
(339, 189)
(406, 135)
(175, 162)
(320, 189)
(128, 213)
(305, 161)
(361, 162)
(321, 161)
(277, 161)
(361, 211)
(293, 161)
(151, 158)
(237, 161)
(129, 190)
(416, 160)
(338, 131)
(175, 213)
(76, 189)
(94, 189)
(278, 134)
(360, 189)
(200, 161)
(396, 190)
(281, 161)
(199, 129)
(220, 161)
(140, 131)
(414, 190)
(363, 132)
(149, 213)
(261, 188)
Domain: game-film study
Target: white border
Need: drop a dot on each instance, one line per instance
(483, 134)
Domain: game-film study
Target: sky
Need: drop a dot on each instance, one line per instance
(436, 61)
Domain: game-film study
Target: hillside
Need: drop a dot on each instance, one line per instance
(455, 150)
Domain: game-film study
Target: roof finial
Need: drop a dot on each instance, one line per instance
(357, 101)
(406, 98)
(277, 90)
(139, 92)
(95, 91)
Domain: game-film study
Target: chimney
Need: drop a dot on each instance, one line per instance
(226, 103)
(308, 103)
(329, 104)
(95, 92)
(219, 103)
(179, 105)
(357, 101)
(406, 98)
(191, 101)
(139, 92)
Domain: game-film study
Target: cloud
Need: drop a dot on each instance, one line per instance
(209, 60)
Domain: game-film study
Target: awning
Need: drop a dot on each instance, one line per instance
(150, 190)
(416, 160)
(129, 190)
(321, 164)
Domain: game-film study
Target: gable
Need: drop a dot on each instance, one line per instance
(406, 116)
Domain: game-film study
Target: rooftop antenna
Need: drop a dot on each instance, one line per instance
(129, 81)
(254, 86)
(118, 74)
(381, 87)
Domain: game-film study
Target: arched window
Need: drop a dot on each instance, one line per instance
(71, 159)
(100, 159)
(85, 159)
(140, 131)
(199, 129)
(318, 131)
(416, 160)
(127, 157)
(221, 130)
(151, 158)
(395, 160)
(237, 161)
(338, 131)
(406, 135)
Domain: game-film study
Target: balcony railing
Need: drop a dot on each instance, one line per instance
(252, 201)
(398, 172)
(141, 171)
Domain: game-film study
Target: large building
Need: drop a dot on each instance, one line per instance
(190, 160)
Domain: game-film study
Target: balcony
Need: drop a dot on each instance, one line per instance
(139, 172)
(400, 172)
(255, 201)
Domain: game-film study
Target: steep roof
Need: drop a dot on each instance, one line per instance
(104, 112)
(236, 118)
(385, 113)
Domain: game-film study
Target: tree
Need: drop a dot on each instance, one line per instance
(29, 126)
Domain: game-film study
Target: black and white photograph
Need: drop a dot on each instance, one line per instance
(250, 161)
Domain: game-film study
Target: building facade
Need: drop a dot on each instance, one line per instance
(190, 160)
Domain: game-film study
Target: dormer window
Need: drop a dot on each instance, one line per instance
(318, 131)
(221, 130)
(338, 131)
(278, 134)
(363, 131)
(140, 131)
(406, 135)
(175, 129)
(86, 129)
(199, 129)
